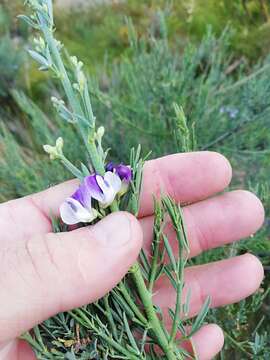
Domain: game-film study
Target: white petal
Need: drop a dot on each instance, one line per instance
(109, 186)
(68, 215)
(114, 180)
(72, 212)
(124, 188)
(107, 192)
(104, 186)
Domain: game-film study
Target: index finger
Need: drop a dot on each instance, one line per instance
(186, 177)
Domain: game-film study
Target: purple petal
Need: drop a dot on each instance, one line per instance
(93, 188)
(82, 196)
(110, 166)
(123, 171)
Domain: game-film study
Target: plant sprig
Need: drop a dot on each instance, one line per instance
(126, 323)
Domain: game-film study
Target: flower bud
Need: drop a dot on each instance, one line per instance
(51, 150)
(56, 151)
(100, 132)
(74, 60)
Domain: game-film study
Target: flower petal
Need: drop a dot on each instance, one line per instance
(72, 212)
(83, 196)
(124, 172)
(110, 184)
(93, 188)
(114, 180)
(124, 188)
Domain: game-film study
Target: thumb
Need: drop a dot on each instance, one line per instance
(53, 273)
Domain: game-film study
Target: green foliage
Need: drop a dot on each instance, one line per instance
(10, 62)
(226, 103)
(105, 26)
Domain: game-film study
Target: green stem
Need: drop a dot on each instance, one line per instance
(239, 346)
(74, 103)
(63, 74)
(131, 303)
(153, 319)
(70, 167)
(95, 157)
(81, 318)
(176, 318)
(114, 206)
(154, 265)
(27, 337)
(109, 316)
(183, 251)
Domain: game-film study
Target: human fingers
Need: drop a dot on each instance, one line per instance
(187, 177)
(207, 342)
(16, 349)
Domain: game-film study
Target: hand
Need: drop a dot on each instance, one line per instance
(42, 273)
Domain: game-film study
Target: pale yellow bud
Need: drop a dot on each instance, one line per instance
(51, 150)
(74, 60)
(55, 152)
(100, 132)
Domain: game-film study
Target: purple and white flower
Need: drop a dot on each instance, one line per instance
(103, 188)
(78, 207)
(125, 174)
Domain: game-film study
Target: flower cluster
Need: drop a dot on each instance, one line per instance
(78, 207)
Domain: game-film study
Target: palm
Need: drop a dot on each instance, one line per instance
(40, 270)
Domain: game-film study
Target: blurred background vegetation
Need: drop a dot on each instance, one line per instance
(211, 57)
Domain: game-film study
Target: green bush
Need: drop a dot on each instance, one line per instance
(10, 55)
(227, 105)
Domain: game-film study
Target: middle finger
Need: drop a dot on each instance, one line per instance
(226, 282)
(214, 222)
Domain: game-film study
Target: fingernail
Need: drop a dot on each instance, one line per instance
(114, 230)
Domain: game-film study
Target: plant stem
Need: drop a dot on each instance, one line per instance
(109, 316)
(131, 303)
(114, 206)
(96, 159)
(70, 167)
(239, 346)
(176, 318)
(156, 246)
(78, 315)
(74, 103)
(153, 319)
(27, 337)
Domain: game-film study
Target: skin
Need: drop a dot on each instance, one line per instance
(42, 273)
